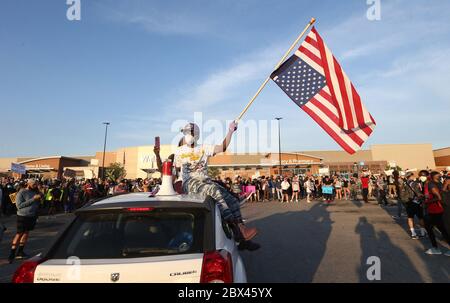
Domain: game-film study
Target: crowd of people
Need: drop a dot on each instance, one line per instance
(409, 193)
(425, 197)
(69, 194)
(293, 189)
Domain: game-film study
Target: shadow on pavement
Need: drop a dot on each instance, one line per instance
(297, 245)
(358, 203)
(392, 257)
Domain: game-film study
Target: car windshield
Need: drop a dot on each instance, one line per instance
(124, 234)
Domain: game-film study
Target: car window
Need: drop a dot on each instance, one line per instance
(106, 235)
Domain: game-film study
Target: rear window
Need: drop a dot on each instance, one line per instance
(122, 234)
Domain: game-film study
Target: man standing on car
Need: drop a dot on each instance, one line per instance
(27, 202)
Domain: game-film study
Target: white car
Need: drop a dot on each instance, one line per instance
(139, 238)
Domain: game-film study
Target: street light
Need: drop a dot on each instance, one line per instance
(104, 149)
(279, 146)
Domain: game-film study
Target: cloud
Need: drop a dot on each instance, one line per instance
(217, 88)
(226, 83)
(167, 21)
(403, 23)
(399, 64)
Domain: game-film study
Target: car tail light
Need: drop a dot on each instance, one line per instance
(25, 272)
(217, 267)
(140, 209)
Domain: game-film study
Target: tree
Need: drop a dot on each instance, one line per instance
(115, 171)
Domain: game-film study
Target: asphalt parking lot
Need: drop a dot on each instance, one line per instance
(331, 243)
(304, 243)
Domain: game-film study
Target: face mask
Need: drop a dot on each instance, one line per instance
(189, 139)
(423, 178)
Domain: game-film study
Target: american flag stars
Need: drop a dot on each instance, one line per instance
(301, 82)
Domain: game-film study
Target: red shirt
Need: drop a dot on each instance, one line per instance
(433, 207)
(365, 182)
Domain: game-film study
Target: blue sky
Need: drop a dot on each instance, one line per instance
(143, 64)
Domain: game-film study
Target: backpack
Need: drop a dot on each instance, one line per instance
(406, 194)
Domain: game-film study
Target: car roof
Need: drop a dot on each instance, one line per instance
(144, 199)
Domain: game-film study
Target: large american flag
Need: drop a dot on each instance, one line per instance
(315, 81)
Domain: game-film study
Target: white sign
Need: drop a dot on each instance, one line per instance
(324, 171)
(389, 172)
(18, 168)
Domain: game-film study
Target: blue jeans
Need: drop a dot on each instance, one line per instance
(229, 205)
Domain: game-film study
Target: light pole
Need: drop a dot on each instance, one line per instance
(104, 148)
(279, 146)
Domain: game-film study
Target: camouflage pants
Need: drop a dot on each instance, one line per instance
(228, 204)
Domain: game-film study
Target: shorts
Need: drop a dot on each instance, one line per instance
(25, 224)
(414, 209)
(285, 192)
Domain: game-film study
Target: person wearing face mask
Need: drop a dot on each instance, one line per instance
(434, 212)
(192, 161)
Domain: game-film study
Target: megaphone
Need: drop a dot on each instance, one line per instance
(166, 188)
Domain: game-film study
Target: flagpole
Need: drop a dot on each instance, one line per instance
(276, 67)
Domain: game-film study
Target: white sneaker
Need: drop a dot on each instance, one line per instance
(434, 251)
(447, 253)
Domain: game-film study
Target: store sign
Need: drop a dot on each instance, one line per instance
(296, 161)
(148, 159)
(288, 162)
(38, 166)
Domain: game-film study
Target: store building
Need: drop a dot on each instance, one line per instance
(140, 162)
(380, 157)
(265, 164)
(45, 167)
(442, 158)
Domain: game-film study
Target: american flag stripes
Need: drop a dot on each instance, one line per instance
(315, 81)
